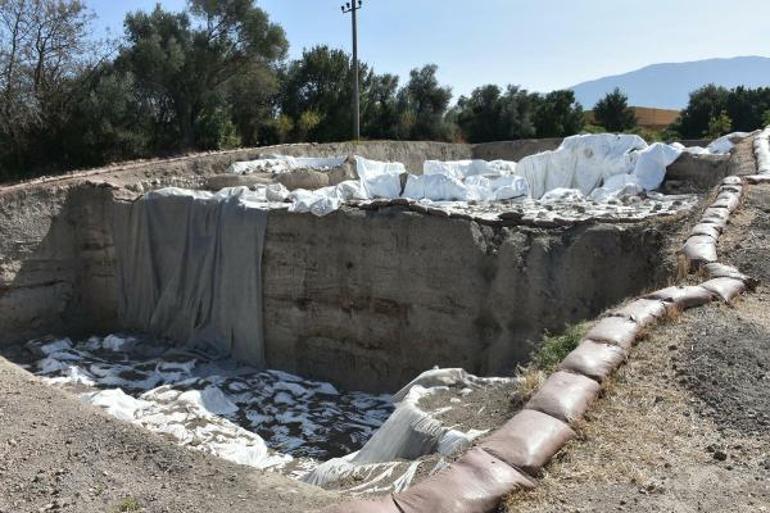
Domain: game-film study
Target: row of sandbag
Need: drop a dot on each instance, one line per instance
(701, 246)
(762, 157)
(512, 457)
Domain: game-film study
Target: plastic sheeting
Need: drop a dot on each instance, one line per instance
(462, 169)
(166, 241)
(409, 433)
(283, 163)
(762, 151)
(380, 179)
(589, 162)
(600, 166)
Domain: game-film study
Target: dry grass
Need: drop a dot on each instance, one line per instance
(641, 434)
(529, 380)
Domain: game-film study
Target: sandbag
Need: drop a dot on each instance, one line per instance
(683, 297)
(762, 151)
(700, 249)
(758, 179)
(528, 441)
(732, 180)
(618, 331)
(307, 179)
(383, 505)
(707, 229)
(728, 200)
(717, 270)
(565, 396)
(726, 288)
(476, 483)
(595, 360)
(738, 189)
(642, 311)
(715, 215)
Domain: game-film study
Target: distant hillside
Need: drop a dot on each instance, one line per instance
(667, 86)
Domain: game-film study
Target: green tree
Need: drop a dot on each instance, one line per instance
(422, 105)
(705, 104)
(321, 82)
(558, 114)
(719, 125)
(45, 46)
(766, 118)
(379, 114)
(185, 62)
(491, 115)
(613, 113)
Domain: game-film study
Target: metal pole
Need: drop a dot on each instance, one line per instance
(356, 92)
(352, 7)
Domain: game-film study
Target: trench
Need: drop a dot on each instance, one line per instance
(284, 341)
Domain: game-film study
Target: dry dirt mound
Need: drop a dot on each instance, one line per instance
(731, 371)
(59, 455)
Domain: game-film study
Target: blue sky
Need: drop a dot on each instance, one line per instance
(539, 44)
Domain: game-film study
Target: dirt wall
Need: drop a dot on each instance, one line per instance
(364, 298)
(371, 299)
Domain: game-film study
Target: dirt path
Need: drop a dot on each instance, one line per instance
(685, 426)
(61, 456)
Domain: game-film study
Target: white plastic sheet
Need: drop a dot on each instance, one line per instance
(762, 151)
(599, 166)
(283, 163)
(581, 162)
(380, 179)
(462, 169)
(650, 168)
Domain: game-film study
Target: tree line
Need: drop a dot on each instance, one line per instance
(216, 76)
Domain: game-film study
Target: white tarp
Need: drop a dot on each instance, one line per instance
(598, 166)
(581, 162)
(282, 163)
(762, 151)
(462, 169)
(409, 433)
(726, 143)
(651, 164)
(380, 179)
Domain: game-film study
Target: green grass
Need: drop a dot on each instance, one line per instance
(556, 347)
(128, 505)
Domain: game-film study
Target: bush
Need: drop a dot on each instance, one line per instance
(613, 113)
(555, 348)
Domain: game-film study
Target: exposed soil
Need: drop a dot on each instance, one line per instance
(59, 455)
(484, 408)
(684, 426)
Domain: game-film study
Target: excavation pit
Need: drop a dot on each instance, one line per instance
(365, 298)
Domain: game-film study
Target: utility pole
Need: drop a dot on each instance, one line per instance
(353, 7)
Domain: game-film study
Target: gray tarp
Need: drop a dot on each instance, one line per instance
(190, 268)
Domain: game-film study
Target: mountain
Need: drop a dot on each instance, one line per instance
(668, 86)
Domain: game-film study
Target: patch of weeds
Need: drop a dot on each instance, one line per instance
(128, 505)
(556, 347)
(545, 359)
